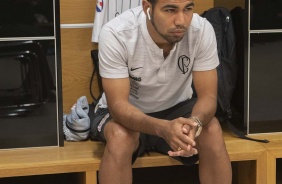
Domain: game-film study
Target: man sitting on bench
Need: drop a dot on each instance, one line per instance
(149, 57)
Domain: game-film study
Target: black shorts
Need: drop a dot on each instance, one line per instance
(147, 142)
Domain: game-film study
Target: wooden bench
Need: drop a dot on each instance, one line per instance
(85, 157)
(274, 151)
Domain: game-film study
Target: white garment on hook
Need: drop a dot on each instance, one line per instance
(107, 10)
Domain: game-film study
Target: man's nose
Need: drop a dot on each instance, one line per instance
(180, 19)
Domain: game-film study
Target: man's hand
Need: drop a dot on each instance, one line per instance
(180, 135)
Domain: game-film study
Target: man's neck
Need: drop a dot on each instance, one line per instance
(159, 40)
(167, 49)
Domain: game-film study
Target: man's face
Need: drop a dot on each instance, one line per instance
(171, 18)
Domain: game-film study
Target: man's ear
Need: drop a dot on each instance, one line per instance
(146, 5)
(146, 8)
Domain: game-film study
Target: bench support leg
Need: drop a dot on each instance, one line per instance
(91, 177)
(271, 168)
(266, 169)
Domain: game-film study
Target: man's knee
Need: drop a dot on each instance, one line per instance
(212, 128)
(211, 136)
(120, 139)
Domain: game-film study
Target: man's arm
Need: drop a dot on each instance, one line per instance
(117, 93)
(205, 83)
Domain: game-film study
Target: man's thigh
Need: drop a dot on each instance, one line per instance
(182, 109)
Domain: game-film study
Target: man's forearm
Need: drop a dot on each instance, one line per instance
(205, 83)
(134, 119)
(205, 109)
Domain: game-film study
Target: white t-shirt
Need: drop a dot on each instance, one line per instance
(109, 9)
(127, 50)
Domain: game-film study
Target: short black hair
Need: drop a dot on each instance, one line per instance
(153, 2)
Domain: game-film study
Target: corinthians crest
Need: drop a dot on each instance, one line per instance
(183, 63)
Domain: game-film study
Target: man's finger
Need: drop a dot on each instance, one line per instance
(187, 140)
(183, 153)
(185, 129)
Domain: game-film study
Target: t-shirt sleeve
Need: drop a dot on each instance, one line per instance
(112, 55)
(206, 55)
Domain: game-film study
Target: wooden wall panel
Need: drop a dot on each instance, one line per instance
(203, 5)
(229, 4)
(77, 11)
(77, 65)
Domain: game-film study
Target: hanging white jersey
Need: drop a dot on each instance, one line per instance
(107, 10)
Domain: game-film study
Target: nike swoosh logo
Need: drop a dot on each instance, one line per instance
(132, 69)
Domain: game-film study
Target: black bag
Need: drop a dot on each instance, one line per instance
(238, 15)
(227, 71)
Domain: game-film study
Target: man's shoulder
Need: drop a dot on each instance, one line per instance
(198, 22)
(126, 21)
